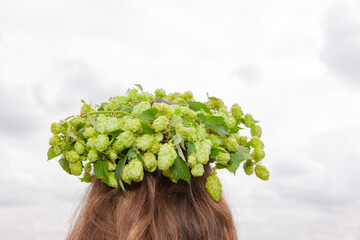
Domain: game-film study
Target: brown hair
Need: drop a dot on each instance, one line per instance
(155, 209)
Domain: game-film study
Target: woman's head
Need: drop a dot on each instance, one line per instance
(154, 208)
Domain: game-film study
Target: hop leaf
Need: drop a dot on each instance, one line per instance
(214, 187)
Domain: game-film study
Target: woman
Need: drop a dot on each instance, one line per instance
(155, 209)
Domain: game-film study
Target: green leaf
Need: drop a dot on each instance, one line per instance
(202, 117)
(215, 151)
(51, 154)
(220, 166)
(101, 170)
(139, 157)
(235, 129)
(93, 123)
(101, 108)
(177, 139)
(181, 169)
(146, 128)
(242, 154)
(131, 154)
(149, 114)
(65, 164)
(116, 133)
(119, 170)
(190, 148)
(140, 87)
(180, 152)
(197, 106)
(217, 124)
(87, 178)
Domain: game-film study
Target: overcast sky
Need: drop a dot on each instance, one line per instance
(294, 65)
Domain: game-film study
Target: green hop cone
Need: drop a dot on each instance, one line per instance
(125, 174)
(124, 140)
(256, 131)
(231, 144)
(150, 163)
(215, 140)
(257, 155)
(155, 147)
(111, 166)
(132, 93)
(144, 142)
(158, 137)
(160, 123)
(91, 142)
(139, 108)
(160, 93)
(112, 180)
(222, 158)
(242, 140)
(167, 173)
(188, 96)
(112, 155)
(136, 170)
(236, 111)
(202, 156)
(249, 121)
(201, 132)
(102, 142)
(248, 167)
(79, 148)
(113, 124)
(57, 150)
(257, 143)
(261, 172)
(214, 187)
(85, 108)
(93, 155)
(89, 132)
(55, 128)
(72, 156)
(76, 168)
(192, 160)
(55, 140)
(197, 170)
(164, 109)
(77, 121)
(88, 167)
(131, 124)
(166, 156)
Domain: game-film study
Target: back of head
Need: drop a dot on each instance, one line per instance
(155, 209)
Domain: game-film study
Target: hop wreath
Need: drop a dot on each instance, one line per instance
(120, 139)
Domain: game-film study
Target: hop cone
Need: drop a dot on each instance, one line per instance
(214, 188)
(166, 156)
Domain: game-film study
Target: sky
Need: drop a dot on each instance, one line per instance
(294, 65)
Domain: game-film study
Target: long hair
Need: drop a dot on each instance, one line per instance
(153, 209)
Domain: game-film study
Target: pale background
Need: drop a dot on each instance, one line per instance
(295, 65)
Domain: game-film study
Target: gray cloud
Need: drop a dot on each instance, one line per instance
(342, 50)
